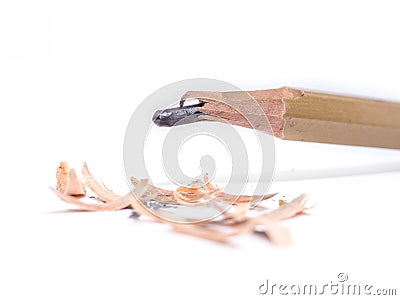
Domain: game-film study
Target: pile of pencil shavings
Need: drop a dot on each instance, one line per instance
(232, 222)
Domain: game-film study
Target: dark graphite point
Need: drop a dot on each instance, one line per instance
(177, 115)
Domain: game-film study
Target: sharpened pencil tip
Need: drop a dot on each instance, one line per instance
(177, 116)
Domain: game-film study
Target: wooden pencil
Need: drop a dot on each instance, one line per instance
(308, 116)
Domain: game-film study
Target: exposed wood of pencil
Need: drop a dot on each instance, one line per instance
(309, 116)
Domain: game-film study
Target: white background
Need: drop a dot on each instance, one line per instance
(71, 75)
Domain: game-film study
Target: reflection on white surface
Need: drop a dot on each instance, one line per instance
(294, 160)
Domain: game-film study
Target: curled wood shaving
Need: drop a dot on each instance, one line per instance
(102, 193)
(158, 194)
(167, 196)
(68, 182)
(234, 199)
(266, 221)
(235, 221)
(193, 197)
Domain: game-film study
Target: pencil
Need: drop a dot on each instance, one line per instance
(297, 115)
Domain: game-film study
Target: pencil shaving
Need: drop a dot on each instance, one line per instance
(279, 235)
(120, 203)
(68, 182)
(233, 221)
(102, 193)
